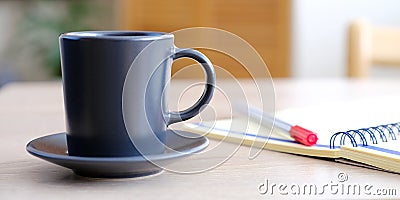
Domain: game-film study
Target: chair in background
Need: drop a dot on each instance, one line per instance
(369, 46)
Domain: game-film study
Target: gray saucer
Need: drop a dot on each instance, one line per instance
(53, 148)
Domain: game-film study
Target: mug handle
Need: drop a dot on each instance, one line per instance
(205, 98)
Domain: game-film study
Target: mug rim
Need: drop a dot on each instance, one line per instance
(117, 35)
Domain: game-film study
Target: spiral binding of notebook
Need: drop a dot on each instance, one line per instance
(382, 130)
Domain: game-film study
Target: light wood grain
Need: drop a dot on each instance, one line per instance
(370, 46)
(30, 110)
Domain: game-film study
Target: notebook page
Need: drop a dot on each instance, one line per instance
(250, 133)
(324, 119)
(385, 155)
(327, 119)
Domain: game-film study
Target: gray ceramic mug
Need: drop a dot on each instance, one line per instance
(114, 91)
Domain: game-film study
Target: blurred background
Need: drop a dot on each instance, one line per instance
(296, 38)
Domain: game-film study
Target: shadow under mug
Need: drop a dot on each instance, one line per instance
(114, 91)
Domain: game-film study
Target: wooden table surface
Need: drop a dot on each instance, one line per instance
(30, 110)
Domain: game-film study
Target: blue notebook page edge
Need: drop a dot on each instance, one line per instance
(271, 142)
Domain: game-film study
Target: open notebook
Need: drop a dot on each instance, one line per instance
(363, 132)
